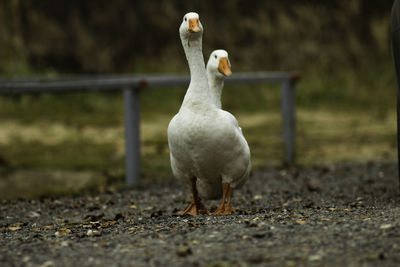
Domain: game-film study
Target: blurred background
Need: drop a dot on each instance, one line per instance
(72, 143)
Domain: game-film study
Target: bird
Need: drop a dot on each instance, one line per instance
(208, 151)
(218, 67)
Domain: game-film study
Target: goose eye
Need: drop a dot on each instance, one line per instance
(215, 56)
(185, 19)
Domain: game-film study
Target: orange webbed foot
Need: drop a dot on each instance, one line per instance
(226, 194)
(230, 209)
(196, 209)
(224, 210)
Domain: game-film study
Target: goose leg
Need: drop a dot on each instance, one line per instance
(228, 206)
(226, 194)
(196, 207)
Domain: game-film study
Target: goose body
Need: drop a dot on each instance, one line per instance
(207, 148)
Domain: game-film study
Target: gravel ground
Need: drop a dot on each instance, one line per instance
(346, 215)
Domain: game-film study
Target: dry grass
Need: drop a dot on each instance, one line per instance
(47, 151)
(326, 137)
(322, 136)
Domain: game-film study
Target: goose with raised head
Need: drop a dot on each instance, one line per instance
(207, 149)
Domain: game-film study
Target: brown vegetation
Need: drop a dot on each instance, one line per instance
(122, 36)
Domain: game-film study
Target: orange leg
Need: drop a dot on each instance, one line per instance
(226, 194)
(228, 206)
(196, 207)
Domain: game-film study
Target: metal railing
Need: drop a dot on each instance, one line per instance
(131, 86)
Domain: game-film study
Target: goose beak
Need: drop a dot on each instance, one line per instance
(224, 68)
(194, 25)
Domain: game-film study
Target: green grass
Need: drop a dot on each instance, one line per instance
(78, 139)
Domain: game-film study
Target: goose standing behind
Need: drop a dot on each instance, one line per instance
(219, 67)
(207, 149)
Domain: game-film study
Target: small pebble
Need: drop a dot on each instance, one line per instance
(315, 257)
(93, 233)
(386, 226)
(47, 263)
(183, 251)
(34, 214)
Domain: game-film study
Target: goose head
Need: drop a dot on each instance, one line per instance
(191, 27)
(219, 63)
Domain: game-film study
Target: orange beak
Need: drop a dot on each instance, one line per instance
(223, 67)
(194, 25)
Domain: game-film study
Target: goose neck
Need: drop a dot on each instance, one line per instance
(194, 56)
(198, 90)
(216, 85)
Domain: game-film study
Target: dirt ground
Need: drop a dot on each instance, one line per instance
(339, 215)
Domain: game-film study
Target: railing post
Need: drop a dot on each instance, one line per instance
(132, 136)
(396, 59)
(288, 121)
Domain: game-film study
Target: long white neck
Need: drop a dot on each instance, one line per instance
(216, 84)
(198, 91)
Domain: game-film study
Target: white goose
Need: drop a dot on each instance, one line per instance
(207, 148)
(218, 67)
